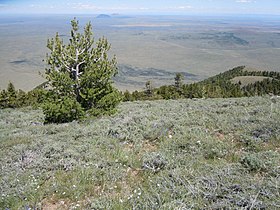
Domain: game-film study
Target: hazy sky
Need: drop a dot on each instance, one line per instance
(142, 6)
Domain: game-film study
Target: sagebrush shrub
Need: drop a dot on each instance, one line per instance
(262, 161)
(154, 162)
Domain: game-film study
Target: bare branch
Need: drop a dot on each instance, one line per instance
(83, 50)
(78, 65)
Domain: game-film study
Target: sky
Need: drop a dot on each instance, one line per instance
(185, 7)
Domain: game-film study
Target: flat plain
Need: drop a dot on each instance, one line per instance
(147, 47)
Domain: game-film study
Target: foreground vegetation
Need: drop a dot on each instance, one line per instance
(184, 154)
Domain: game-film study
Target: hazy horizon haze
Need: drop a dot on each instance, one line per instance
(174, 7)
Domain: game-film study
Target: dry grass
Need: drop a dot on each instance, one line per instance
(247, 80)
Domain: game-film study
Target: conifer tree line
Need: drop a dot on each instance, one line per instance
(219, 86)
(12, 98)
(80, 75)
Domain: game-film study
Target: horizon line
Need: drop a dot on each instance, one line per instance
(146, 14)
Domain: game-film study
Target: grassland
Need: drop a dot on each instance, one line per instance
(246, 80)
(185, 154)
(201, 46)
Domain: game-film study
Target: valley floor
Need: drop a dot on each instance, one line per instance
(183, 154)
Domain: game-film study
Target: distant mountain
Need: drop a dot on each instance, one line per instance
(103, 16)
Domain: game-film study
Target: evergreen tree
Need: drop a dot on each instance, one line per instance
(149, 89)
(127, 96)
(11, 96)
(4, 100)
(179, 81)
(80, 72)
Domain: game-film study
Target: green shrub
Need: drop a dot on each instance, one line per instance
(62, 110)
(12, 98)
(8, 98)
(260, 162)
(106, 105)
(252, 162)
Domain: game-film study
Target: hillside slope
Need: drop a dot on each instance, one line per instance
(185, 154)
(236, 82)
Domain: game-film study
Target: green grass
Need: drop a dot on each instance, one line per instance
(185, 154)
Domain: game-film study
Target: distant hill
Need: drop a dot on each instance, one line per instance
(248, 81)
(103, 16)
(237, 82)
(244, 76)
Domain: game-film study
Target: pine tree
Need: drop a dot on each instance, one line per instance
(179, 80)
(81, 72)
(11, 96)
(149, 89)
(4, 99)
